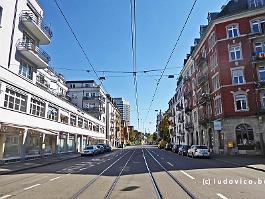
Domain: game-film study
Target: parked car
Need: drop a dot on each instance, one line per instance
(175, 148)
(107, 148)
(100, 148)
(168, 147)
(183, 150)
(120, 146)
(90, 150)
(199, 151)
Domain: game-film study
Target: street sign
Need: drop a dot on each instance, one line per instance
(217, 125)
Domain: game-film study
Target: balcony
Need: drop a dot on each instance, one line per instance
(259, 84)
(200, 61)
(36, 26)
(203, 120)
(95, 110)
(204, 98)
(189, 125)
(202, 79)
(34, 53)
(258, 57)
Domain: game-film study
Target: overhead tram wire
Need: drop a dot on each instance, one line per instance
(133, 48)
(79, 43)
(171, 54)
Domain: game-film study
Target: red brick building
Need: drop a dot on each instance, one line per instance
(224, 81)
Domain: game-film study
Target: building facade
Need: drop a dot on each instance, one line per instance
(36, 116)
(223, 81)
(124, 108)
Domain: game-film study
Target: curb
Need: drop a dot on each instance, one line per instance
(36, 166)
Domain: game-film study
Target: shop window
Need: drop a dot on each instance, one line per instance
(72, 120)
(238, 76)
(232, 31)
(37, 108)
(26, 70)
(235, 52)
(12, 145)
(15, 100)
(52, 113)
(245, 137)
(261, 72)
(241, 102)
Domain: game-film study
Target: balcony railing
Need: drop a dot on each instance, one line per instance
(203, 120)
(187, 94)
(200, 61)
(189, 125)
(33, 53)
(204, 98)
(95, 110)
(202, 79)
(258, 57)
(36, 26)
(259, 84)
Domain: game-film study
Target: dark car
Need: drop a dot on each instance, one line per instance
(183, 150)
(175, 148)
(168, 147)
(100, 149)
(107, 148)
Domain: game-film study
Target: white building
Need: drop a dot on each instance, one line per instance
(36, 118)
(124, 108)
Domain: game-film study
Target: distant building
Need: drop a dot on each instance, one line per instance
(124, 108)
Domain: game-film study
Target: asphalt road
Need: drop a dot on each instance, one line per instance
(137, 172)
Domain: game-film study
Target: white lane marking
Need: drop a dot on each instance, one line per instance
(35, 185)
(82, 169)
(108, 159)
(98, 163)
(55, 178)
(6, 196)
(221, 196)
(157, 155)
(187, 175)
(170, 164)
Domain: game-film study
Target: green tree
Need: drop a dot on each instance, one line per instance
(164, 129)
(155, 138)
(149, 137)
(131, 136)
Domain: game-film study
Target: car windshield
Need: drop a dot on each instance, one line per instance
(89, 147)
(185, 146)
(201, 147)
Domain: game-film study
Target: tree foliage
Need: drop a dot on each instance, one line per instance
(164, 129)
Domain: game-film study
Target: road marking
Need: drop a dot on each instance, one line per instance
(55, 178)
(187, 175)
(221, 196)
(68, 174)
(6, 196)
(170, 164)
(82, 169)
(32, 187)
(98, 163)
(157, 155)
(108, 159)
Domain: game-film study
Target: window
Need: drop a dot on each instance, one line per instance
(85, 124)
(232, 31)
(211, 41)
(1, 13)
(260, 47)
(213, 60)
(263, 99)
(25, 70)
(258, 25)
(37, 108)
(255, 3)
(241, 102)
(15, 100)
(80, 122)
(238, 76)
(216, 82)
(235, 52)
(52, 113)
(72, 120)
(245, 137)
(217, 106)
(261, 73)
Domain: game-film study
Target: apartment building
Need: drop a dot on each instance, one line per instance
(113, 123)
(223, 81)
(124, 108)
(36, 116)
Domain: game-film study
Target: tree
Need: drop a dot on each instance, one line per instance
(131, 136)
(155, 137)
(149, 138)
(164, 128)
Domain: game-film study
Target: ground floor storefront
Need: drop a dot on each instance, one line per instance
(23, 143)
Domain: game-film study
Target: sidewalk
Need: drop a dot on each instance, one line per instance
(20, 166)
(253, 162)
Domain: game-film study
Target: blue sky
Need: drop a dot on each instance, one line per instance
(103, 27)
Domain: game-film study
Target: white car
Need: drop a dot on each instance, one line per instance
(199, 151)
(90, 150)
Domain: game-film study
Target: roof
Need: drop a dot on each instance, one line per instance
(81, 81)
